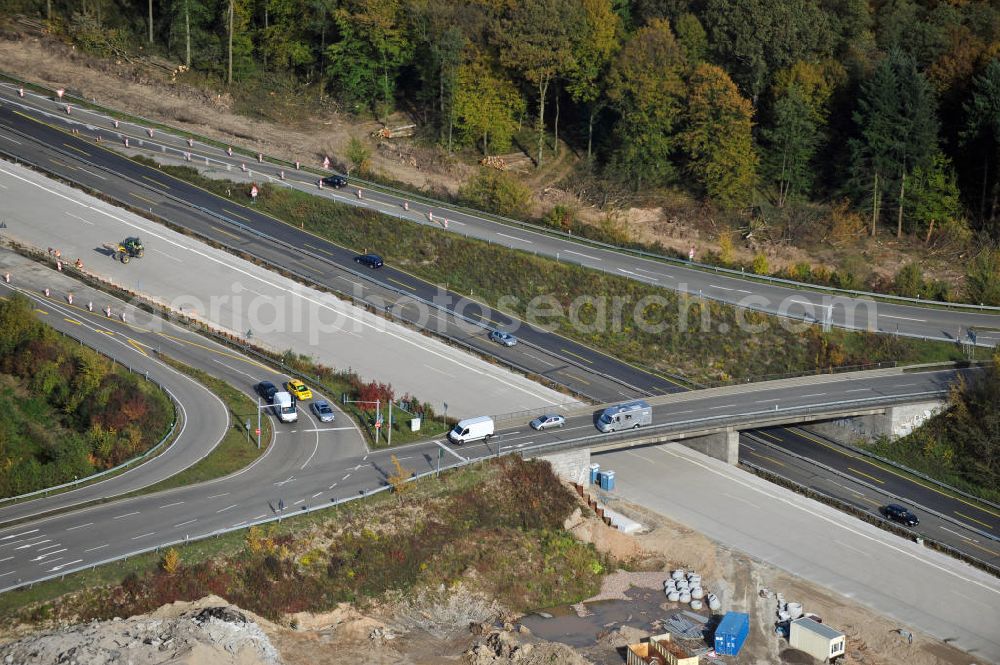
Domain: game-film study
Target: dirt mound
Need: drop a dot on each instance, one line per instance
(181, 634)
(505, 646)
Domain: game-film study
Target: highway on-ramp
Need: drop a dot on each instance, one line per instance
(815, 305)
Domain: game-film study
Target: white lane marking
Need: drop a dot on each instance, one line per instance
(742, 500)
(226, 508)
(18, 535)
(902, 318)
(238, 524)
(447, 449)
(260, 517)
(315, 495)
(125, 515)
(79, 526)
(231, 368)
(849, 489)
(721, 288)
(325, 429)
(298, 502)
(143, 535)
(96, 175)
(19, 143)
(26, 546)
(856, 390)
(332, 486)
(169, 505)
(439, 371)
(11, 572)
(811, 395)
(650, 272)
(768, 401)
(42, 556)
(810, 303)
(795, 504)
(85, 221)
(48, 547)
(851, 547)
(345, 477)
(724, 406)
(905, 385)
(169, 256)
(956, 533)
(530, 242)
(586, 256)
(544, 362)
(629, 272)
(216, 496)
(63, 565)
(749, 447)
(99, 547)
(185, 523)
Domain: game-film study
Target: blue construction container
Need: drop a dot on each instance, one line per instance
(732, 633)
(595, 472)
(607, 480)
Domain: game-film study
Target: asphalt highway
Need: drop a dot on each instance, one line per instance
(194, 279)
(927, 322)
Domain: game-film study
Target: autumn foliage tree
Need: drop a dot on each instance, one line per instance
(718, 138)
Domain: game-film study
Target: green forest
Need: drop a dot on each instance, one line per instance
(961, 446)
(66, 411)
(891, 105)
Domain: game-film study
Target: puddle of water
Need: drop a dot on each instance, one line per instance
(643, 608)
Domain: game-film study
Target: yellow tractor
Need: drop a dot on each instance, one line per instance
(126, 249)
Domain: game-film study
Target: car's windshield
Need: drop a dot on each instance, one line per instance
(605, 418)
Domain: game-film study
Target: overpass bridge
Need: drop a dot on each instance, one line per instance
(881, 402)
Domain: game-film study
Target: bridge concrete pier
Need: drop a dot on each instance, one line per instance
(570, 465)
(895, 422)
(723, 446)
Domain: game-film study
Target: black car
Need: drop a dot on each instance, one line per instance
(266, 389)
(369, 260)
(898, 513)
(337, 181)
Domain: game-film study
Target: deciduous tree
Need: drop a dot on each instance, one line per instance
(486, 105)
(718, 137)
(982, 135)
(594, 49)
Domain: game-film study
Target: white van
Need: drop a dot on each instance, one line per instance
(284, 405)
(472, 429)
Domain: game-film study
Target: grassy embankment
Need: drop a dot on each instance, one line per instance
(721, 350)
(497, 527)
(65, 410)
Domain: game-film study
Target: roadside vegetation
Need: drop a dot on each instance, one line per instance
(725, 349)
(430, 535)
(961, 446)
(66, 411)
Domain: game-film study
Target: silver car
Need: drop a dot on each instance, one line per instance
(322, 410)
(547, 421)
(504, 338)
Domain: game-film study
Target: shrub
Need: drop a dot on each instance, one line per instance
(171, 561)
(909, 281)
(359, 154)
(760, 266)
(561, 217)
(982, 278)
(496, 192)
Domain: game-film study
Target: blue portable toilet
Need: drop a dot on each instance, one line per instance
(732, 633)
(607, 480)
(595, 472)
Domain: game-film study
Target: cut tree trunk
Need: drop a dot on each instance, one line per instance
(229, 69)
(187, 34)
(556, 146)
(899, 218)
(930, 230)
(875, 204)
(543, 88)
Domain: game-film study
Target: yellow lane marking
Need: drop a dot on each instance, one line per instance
(985, 549)
(589, 362)
(60, 162)
(155, 182)
(973, 519)
(224, 232)
(402, 283)
(181, 340)
(575, 377)
(867, 500)
(236, 214)
(915, 481)
(770, 436)
(107, 332)
(319, 249)
(862, 473)
(143, 198)
(138, 347)
(73, 321)
(73, 147)
(750, 452)
(41, 311)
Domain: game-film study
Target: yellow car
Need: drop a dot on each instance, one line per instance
(299, 390)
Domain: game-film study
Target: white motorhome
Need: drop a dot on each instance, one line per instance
(284, 406)
(472, 429)
(625, 416)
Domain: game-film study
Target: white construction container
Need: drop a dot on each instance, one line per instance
(816, 639)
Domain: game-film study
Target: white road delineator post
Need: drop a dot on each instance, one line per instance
(6, 277)
(320, 183)
(150, 132)
(116, 124)
(297, 166)
(326, 162)
(46, 292)
(69, 109)
(260, 158)
(126, 141)
(90, 306)
(69, 298)
(20, 92)
(406, 205)
(229, 151)
(243, 167)
(190, 143)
